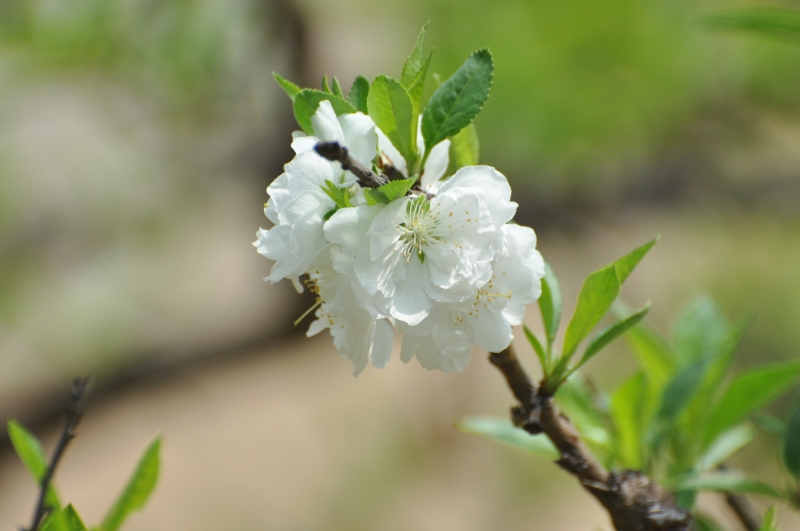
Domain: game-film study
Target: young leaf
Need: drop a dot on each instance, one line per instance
(725, 446)
(456, 103)
(415, 61)
(598, 293)
(626, 412)
(290, 88)
(358, 94)
(704, 523)
(503, 431)
(791, 444)
(307, 101)
(325, 87)
(537, 347)
(653, 352)
(550, 303)
(680, 391)
(612, 332)
(73, 521)
(726, 482)
(581, 404)
(749, 392)
(464, 149)
(337, 88)
(701, 330)
(391, 109)
(32, 456)
(766, 20)
(628, 263)
(138, 490)
(418, 83)
(769, 424)
(55, 521)
(389, 191)
(770, 522)
(338, 195)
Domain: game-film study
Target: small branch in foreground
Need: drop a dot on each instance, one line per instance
(75, 405)
(334, 152)
(634, 501)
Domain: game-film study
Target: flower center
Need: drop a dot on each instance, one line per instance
(418, 230)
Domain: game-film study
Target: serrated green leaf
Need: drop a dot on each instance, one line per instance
(537, 347)
(415, 61)
(391, 109)
(749, 392)
(458, 100)
(73, 520)
(599, 291)
(626, 413)
(375, 197)
(765, 20)
(397, 189)
(791, 442)
(290, 88)
(503, 431)
(307, 101)
(358, 94)
(628, 263)
(725, 446)
(612, 332)
(340, 196)
(550, 303)
(30, 452)
(770, 522)
(138, 490)
(337, 88)
(418, 84)
(464, 149)
(726, 482)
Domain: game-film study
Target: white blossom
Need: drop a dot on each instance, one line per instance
(357, 335)
(435, 166)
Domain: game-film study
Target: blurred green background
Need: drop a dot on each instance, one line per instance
(137, 138)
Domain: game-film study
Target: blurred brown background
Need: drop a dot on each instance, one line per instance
(137, 138)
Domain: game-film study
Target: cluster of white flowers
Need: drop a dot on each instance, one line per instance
(445, 268)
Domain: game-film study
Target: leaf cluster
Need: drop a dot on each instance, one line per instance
(132, 498)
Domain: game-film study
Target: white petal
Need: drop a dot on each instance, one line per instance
(492, 331)
(326, 126)
(382, 344)
(390, 152)
(359, 137)
(348, 227)
(491, 185)
(435, 166)
(304, 143)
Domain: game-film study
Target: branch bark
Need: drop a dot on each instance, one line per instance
(77, 398)
(744, 510)
(366, 177)
(632, 500)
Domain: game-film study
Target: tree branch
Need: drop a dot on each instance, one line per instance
(74, 413)
(632, 500)
(744, 510)
(334, 152)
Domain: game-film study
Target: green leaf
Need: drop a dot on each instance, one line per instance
(337, 88)
(791, 444)
(626, 412)
(30, 452)
(726, 482)
(537, 347)
(749, 392)
(464, 149)
(765, 20)
(628, 263)
(550, 303)
(358, 94)
(769, 424)
(391, 109)
(653, 352)
(417, 84)
(680, 391)
(290, 88)
(389, 191)
(704, 522)
(307, 101)
(598, 293)
(325, 87)
(770, 522)
(73, 520)
(340, 196)
(725, 446)
(456, 103)
(503, 431)
(612, 332)
(579, 402)
(701, 330)
(415, 61)
(55, 521)
(138, 490)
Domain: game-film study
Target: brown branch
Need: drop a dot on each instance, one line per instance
(632, 500)
(366, 177)
(744, 510)
(74, 413)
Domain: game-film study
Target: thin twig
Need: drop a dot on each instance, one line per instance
(335, 152)
(634, 502)
(744, 510)
(74, 413)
